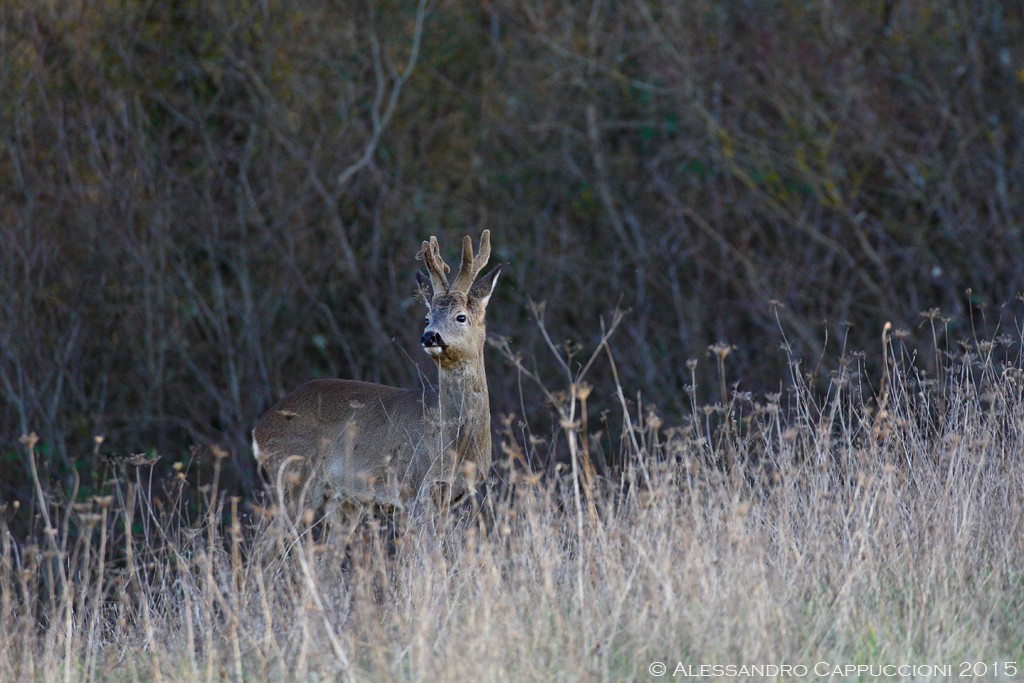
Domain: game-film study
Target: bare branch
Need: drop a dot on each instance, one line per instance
(382, 119)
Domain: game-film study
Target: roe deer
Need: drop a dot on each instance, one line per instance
(372, 443)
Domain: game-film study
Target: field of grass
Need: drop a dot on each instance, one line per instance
(205, 204)
(880, 525)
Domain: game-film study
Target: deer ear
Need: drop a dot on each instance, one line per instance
(424, 289)
(484, 286)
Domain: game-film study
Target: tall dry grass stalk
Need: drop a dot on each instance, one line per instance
(850, 529)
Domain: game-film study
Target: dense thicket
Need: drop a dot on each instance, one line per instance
(204, 204)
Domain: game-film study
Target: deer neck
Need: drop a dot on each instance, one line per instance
(464, 418)
(463, 389)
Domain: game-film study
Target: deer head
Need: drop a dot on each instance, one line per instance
(455, 329)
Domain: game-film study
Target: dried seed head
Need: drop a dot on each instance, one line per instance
(721, 349)
(142, 459)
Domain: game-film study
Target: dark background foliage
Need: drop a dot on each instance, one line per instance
(203, 204)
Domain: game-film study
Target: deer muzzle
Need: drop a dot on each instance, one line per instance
(432, 343)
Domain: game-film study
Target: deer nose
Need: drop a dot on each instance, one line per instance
(430, 339)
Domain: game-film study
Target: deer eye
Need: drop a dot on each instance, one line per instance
(426, 321)
(460, 318)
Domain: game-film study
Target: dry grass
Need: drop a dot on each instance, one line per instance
(852, 530)
(204, 204)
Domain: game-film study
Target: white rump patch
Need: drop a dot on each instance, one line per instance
(255, 449)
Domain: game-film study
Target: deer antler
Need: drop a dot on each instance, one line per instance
(472, 265)
(430, 254)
